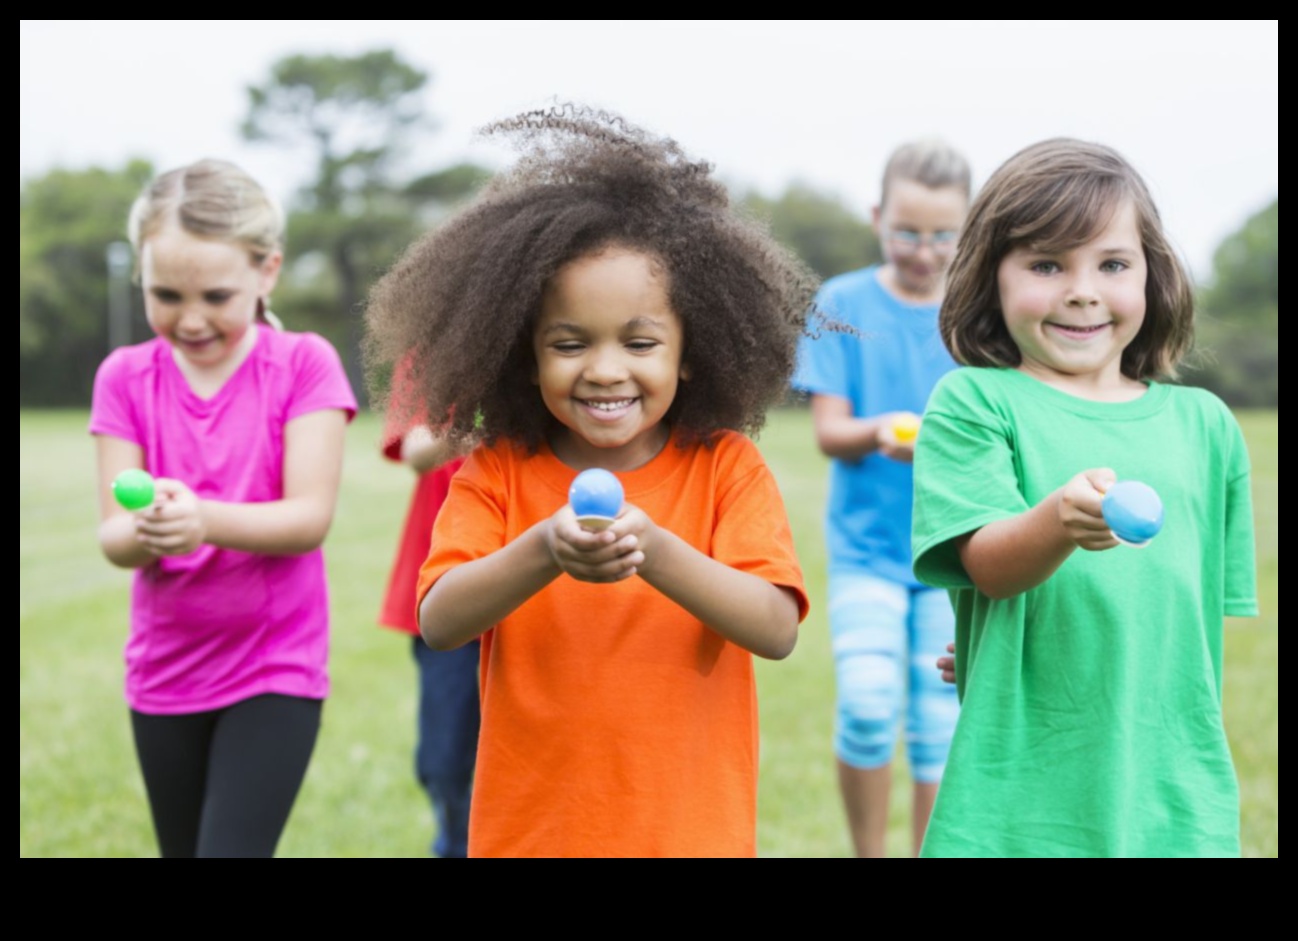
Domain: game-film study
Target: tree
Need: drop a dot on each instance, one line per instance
(359, 115)
(66, 221)
(819, 227)
(1238, 323)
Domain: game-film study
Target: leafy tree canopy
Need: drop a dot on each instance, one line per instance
(1238, 322)
(66, 221)
(819, 226)
(360, 116)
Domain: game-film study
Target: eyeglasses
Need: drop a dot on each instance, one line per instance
(908, 241)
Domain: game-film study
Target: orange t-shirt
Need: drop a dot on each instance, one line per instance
(613, 722)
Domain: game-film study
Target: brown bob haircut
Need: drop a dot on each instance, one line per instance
(1054, 196)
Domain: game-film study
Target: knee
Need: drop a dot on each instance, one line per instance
(929, 735)
(866, 728)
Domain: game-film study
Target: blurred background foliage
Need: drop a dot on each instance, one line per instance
(357, 120)
(1238, 325)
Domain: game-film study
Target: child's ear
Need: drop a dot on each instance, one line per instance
(685, 372)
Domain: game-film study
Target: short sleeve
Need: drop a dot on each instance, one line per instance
(1241, 566)
(319, 381)
(752, 532)
(112, 409)
(823, 360)
(470, 524)
(964, 479)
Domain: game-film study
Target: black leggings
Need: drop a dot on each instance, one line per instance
(222, 783)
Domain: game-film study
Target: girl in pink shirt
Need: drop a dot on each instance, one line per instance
(241, 424)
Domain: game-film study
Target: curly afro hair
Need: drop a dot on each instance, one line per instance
(455, 315)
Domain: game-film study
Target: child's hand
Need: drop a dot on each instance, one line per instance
(1080, 509)
(946, 665)
(607, 556)
(174, 524)
(896, 440)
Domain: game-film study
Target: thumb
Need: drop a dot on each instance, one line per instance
(169, 488)
(1102, 478)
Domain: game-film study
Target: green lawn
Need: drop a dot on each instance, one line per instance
(80, 792)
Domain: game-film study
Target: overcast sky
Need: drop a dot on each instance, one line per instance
(1193, 105)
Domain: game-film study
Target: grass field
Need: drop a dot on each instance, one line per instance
(80, 792)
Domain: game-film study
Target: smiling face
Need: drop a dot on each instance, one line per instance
(1071, 313)
(608, 358)
(200, 295)
(917, 227)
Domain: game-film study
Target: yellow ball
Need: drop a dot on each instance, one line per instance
(905, 427)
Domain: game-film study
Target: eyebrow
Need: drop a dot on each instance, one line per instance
(561, 326)
(156, 287)
(635, 323)
(1115, 249)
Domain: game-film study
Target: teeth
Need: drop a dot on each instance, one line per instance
(610, 406)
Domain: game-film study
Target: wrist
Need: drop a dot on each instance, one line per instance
(203, 516)
(873, 434)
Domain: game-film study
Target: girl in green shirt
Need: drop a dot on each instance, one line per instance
(1090, 681)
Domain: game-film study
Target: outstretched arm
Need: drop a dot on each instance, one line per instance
(313, 460)
(117, 535)
(179, 521)
(473, 597)
(842, 435)
(1013, 555)
(743, 608)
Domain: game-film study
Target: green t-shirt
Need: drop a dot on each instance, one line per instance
(1091, 721)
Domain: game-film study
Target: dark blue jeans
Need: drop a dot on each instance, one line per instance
(447, 745)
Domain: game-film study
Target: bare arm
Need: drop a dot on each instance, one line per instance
(473, 597)
(743, 608)
(842, 435)
(1011, 556)
(313, 462)
(179, 522)
(423, 449)
(117, 537)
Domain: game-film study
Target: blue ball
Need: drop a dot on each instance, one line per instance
(1133, 511)
(595, 492)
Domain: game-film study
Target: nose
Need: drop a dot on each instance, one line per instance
(1081, 290)
(927, 250)
(191, 319)
(605, 365)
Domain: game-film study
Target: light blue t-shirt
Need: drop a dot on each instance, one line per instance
(892, 366)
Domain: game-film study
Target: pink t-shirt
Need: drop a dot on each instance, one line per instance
(218, 626)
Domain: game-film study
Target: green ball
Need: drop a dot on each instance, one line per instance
(133, 488)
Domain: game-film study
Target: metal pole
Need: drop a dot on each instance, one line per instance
(118, 255)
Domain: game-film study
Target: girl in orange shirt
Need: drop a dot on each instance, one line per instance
(601, 305)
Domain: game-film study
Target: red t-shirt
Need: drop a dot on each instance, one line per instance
(614, 723)
(399, 608)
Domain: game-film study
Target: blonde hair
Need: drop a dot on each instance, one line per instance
(212, 199)
(929, 161)
(1053, 196)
